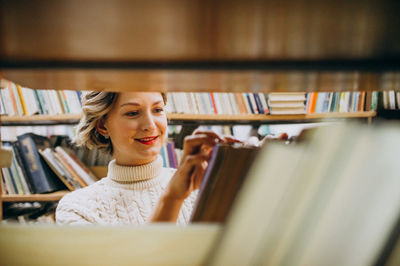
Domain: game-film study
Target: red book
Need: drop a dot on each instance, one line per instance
(213, 103)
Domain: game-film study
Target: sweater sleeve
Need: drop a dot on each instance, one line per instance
(70, 211)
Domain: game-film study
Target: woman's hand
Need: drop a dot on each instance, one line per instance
(188, 177)
(196, 154)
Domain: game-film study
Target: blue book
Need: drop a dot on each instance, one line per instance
(39, 174)
(258, 103)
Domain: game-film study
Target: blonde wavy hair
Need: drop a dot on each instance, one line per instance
(95, 107)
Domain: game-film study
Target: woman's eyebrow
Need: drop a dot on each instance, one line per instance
(158, 102)
(129, 103)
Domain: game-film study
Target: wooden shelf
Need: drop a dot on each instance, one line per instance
(55, 196)
(198, 118)
(40, 120)
(261, 117)
(200, 46)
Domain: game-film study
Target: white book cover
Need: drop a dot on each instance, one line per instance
(7, 102)
(398, 99)
(234, 103)
(264, 101)
(170, 106)
(227, 103)
(200, 106)
(287, 111)
(246, 103)
(30, 101)
(301, 96)
(49, 102)
(217, 100)
(205, 100)
(14, 89)
(286, 104)
(385, 97)
(3, 110)
(392, 100)
(190, 104)
(193, 101)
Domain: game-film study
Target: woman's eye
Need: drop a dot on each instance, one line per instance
(133, 113)
(159, 110)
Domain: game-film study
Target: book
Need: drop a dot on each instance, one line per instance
(39, 174)
(222, 180)
(58, 168)
(335, 203)
(287, 110)
(287, 96)
(61, 156)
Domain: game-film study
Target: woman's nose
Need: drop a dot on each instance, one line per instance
(148, 123)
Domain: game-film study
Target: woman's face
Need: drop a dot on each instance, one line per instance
(137, 126)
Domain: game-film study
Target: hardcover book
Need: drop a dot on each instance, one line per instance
(222, 180)
(39, 175)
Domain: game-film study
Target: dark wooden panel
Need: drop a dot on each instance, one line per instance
(192, 80)
(122, 30)
(266, 45)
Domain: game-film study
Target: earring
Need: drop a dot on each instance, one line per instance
(106, 136)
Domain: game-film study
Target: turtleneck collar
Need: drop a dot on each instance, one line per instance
(134, 174)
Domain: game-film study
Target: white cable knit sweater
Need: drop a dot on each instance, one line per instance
(127, 195)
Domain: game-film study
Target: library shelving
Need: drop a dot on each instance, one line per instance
(181, 46)
(99, 171)
(55, 196)
(176, 119)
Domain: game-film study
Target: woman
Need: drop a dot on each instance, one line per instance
(132, 126)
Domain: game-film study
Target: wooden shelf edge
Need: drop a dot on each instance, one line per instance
(261, 117)
(55, 196)
(62, 117)
(209, 117)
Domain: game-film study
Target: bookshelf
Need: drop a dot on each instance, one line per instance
(99, 171)
(246, 45)
(55, 196)
(195, 118)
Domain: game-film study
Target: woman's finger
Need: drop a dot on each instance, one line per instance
(230, 139)
(209, 133)
(193, 143)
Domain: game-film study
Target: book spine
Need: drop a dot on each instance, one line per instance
(36, 169)
(314, 102)
(59, 170)
(22, 99)
(213, 103)
(60, 157)
(9, 182)
(248, 97)
(374, 101)
(19, 160)
(172, 155)
(258, 103)
(77, 168)
(12, 97)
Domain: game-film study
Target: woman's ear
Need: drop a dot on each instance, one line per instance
(101, 128)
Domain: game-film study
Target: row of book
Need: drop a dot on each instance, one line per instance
(171, 156)
(281, 103)
(357, 101)
(61, 134)
(17, 101)
(217, 103)
(391, 100)
(40, 163)
(38, 167)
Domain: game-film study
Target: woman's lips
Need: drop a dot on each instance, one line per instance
(148, 140)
